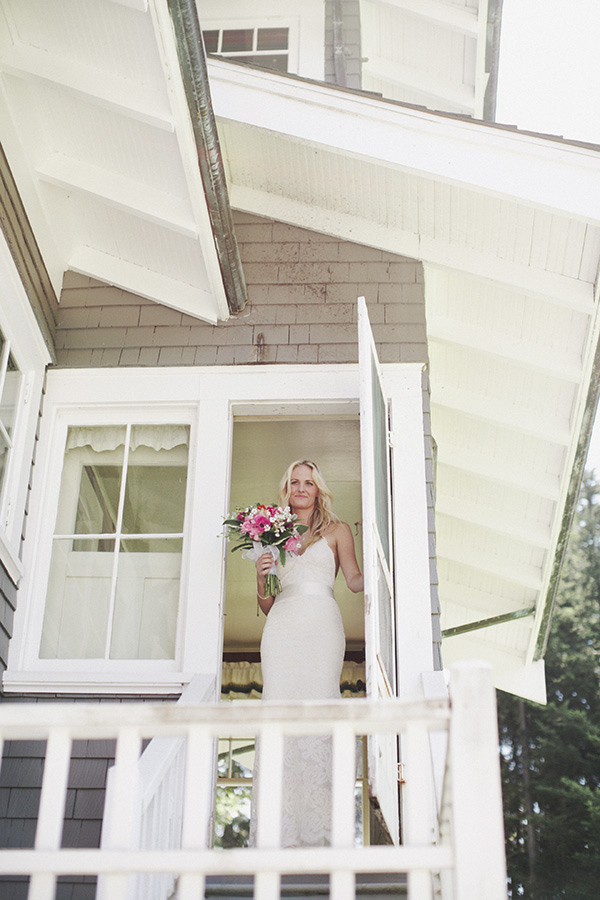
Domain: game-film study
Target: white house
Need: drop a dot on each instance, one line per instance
(186, 236)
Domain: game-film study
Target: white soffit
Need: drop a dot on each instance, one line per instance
(426, 52)
(508, 228)
(96, 128)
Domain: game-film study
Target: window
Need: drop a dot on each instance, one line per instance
(10, 391)
(267, 47)
(113, 587)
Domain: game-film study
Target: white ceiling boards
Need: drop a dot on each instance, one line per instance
(97, 131)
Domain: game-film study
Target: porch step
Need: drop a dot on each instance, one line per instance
(304, 887)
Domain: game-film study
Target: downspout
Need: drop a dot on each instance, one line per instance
(192, 61)
(339, 56)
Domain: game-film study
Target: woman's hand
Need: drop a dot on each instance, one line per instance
(263, 564)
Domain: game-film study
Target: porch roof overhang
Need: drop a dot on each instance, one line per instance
(107, 125)
(507, 225)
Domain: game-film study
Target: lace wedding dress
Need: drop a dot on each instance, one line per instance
(302, 651)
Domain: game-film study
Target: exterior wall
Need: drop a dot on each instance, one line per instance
(8, 603)
(302, 290)
(347, 14)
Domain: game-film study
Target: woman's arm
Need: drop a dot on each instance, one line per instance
(263, 566)
(347, 557)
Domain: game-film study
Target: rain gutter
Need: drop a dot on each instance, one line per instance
(192, 62)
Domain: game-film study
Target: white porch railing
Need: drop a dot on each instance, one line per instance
(469, 860)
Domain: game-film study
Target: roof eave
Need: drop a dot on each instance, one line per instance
(192, 62)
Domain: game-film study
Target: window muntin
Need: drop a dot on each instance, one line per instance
(113, 589)
(267, 47)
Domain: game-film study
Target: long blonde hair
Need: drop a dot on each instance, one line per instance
(323, 515)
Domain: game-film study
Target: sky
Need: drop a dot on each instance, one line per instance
(549, 80)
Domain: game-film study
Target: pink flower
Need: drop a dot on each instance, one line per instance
(292, 545)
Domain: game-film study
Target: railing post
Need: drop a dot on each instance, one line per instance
(476, 802)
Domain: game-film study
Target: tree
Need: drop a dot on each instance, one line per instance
(550, 755)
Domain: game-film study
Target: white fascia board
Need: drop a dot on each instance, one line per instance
(530, 169)
(566, 291)
(167, 48)
(510, 672)
(575, 452)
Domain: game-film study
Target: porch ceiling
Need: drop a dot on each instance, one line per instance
(427, 52)
(97, 132)
(508, 228)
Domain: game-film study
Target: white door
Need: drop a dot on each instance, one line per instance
(378, 568)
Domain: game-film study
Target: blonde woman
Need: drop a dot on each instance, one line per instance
(303, 644)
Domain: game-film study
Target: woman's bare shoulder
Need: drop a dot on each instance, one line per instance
(339, 530)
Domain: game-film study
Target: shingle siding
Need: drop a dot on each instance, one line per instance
(302, 290)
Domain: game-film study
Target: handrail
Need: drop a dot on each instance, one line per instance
(469, 861)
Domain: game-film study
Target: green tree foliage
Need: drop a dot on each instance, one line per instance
(550, 755)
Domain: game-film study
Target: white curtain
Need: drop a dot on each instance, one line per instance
(243, 680)
(109, 437)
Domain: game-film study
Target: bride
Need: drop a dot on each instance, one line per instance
(303, 643)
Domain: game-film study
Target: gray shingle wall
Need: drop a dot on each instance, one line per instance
(20, 784)
(8, 600)
(302, 289)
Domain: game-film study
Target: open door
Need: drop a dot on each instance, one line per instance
(378, 569)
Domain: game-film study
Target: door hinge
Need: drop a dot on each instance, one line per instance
(401, 773)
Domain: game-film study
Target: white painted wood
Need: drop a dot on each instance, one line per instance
(450, 15)
(568, 291)
(344, 769)
(447, 330)
(270, 774)
(167, 48)
(54, 789)
(147, 283)
(530, 169)
(458, 95)
(117, 859)
(377, 567)
(478, 828)
(108, 91)
(120, 192)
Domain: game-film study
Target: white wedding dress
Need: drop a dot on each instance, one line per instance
(302, 652)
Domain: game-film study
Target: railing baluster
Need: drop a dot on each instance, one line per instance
(123, 811)
(344, 780)
(52, 808)
(268, 827)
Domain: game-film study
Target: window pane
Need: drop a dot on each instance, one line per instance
(147, 600)
(98, 501)
(211, 41)
(272, 39)
(4, 448)
(237, 39)
(10, 395)
(90, 484)
(77, 603)
(154, 499)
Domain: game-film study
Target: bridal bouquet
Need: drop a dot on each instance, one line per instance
(259, 528)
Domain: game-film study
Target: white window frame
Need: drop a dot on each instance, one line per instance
(305, 21)
(22, 334)
(207, 399)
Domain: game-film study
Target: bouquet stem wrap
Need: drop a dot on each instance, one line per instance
(272, 583)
